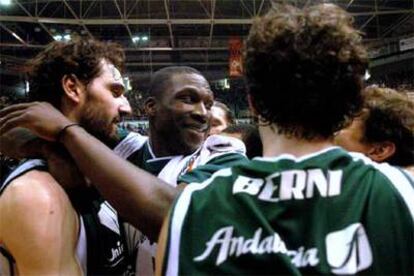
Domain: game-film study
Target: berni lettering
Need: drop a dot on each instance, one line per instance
(288, 185)
(237, 246)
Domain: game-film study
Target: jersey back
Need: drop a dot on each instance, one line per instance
(327, 213)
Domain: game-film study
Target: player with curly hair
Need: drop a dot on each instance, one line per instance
(306, 206)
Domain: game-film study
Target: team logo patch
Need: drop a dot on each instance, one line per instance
(348, 250)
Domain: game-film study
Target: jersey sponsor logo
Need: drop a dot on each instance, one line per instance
(116, 254)
(348, 250)
(292, 184)
(230, 245)
(304, 257)
(237, 246)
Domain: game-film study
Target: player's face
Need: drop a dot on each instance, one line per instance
(218, 120)
(184, 112)
(351, 138)
(105, 103)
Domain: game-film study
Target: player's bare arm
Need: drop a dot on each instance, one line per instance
(141, 198)
(38, 226)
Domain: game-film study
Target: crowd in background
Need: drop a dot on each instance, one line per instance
(297, 190)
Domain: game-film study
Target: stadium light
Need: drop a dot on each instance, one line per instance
(27, 87)
(59, 37)
(5, 2)
(138, 39)
(226, 84)
(367, 75)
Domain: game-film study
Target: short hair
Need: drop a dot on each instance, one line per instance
(161, 78)
(304, 69)
(229, 116)
(79, 56)
(389, 116)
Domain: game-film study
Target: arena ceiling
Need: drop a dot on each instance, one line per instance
(161, 33)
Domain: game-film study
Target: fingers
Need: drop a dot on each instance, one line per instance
(41, 118)
(12, 116)
(13, 108)
(11, 120)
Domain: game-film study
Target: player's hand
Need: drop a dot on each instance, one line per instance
(41, 118)
(21, 143)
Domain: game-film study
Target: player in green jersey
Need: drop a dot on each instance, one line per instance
(317, 86)
(306, 206)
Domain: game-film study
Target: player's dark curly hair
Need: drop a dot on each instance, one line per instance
(79, 56)
(389, 116)
(304, 69)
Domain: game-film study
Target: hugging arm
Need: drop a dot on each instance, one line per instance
(20, 143)
(141, 198)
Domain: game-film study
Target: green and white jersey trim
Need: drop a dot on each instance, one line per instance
(211, 152)
(397, 178)
(381, 188)
(294, 158)
(131, 143)
(215, 153)
(179, 212)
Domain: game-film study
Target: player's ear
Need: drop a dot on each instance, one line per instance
(72, 87)
(150, 106)
(381, 151)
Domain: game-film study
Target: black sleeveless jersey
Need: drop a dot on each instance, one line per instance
(101, 250)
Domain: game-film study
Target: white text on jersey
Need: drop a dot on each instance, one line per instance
(230, 245)
(293, 184)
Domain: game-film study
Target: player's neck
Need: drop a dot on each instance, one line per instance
(275, 144)
(160, 147)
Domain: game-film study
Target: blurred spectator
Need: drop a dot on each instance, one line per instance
(221, 118)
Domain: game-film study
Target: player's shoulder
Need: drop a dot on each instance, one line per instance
(34, 189)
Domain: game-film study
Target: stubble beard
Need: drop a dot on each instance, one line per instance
(101, 129)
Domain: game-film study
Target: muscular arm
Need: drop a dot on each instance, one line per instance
(39, 226)
(141, 198)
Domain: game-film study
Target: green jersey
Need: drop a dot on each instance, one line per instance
(331, 212)
(217, 152)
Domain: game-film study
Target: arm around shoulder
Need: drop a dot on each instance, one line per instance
(39, 226)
